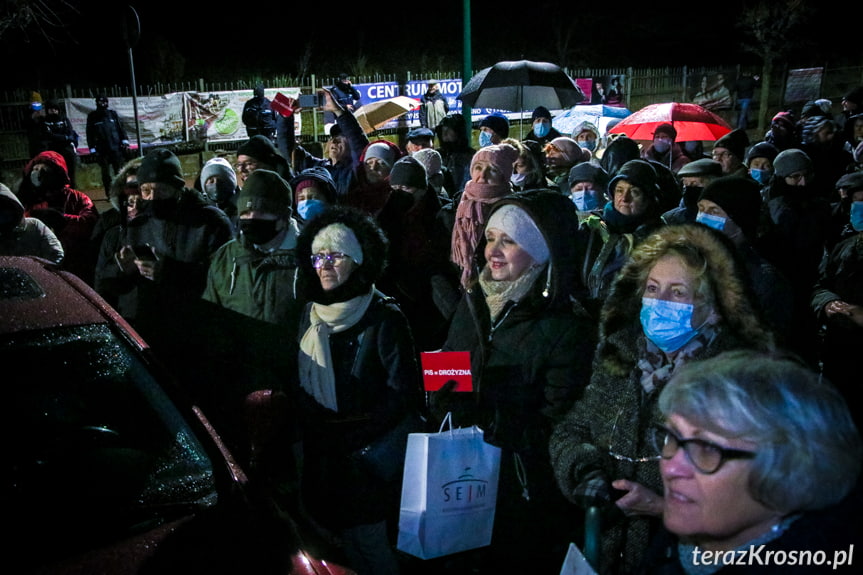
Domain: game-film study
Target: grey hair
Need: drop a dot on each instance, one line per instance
(809, 450)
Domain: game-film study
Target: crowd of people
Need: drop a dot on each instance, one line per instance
(621, 301)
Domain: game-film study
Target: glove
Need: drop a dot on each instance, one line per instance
(52, 218)
(446, 400)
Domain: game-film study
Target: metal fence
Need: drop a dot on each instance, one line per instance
(643, 86)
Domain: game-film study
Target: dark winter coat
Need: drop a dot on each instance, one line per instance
(258, 117)
(261, 285)
(377, 383)
(185, 242)
(106, 134)
(833, 531)
(616, 411)
(841, 278)
(528, 367)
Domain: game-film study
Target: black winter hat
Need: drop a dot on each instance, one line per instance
(161, 166)
(735, 142)
(498, 123)
(261, 148)
(540, 112)
(638, 173)
(701, 167)
(740, 198)
(761, 150)
(587, 172)
(409, 172)
(266, 191)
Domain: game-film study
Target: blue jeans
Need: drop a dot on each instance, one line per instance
(743, 116)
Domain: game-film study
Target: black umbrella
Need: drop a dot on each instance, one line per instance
(521, 85)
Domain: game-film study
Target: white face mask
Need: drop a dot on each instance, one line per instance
(517, 179)
(36, 178)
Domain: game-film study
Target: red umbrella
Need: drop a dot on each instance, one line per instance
(691, 121)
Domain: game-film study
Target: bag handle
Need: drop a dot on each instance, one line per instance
(446, 420)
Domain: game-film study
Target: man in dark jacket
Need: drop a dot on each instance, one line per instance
(258, 116)
(107, 140)
(158, 263)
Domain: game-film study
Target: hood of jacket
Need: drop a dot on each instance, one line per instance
(10, 202)
(320, 175)
(372, 240)
(734, 298)
(556, 217)
(49, 157)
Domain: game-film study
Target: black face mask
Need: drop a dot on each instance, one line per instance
(258, 231)
(163, 209)
(691, 195)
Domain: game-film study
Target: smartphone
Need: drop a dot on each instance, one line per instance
(310, 101)
(144, 252)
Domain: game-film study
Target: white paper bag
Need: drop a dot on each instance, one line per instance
(575, 563)
(449, 492)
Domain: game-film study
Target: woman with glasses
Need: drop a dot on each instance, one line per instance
(359, 378)
(681, 297)
(756, 451)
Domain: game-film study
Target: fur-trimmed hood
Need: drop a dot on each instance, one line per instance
(372, 240)
(619, 320)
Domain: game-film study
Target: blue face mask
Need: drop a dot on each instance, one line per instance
(857, 216)
(308, 209)
(587, 144)
(585, 200)
(761, 176)
(715, 222)
(484, 139)
(667, 324)
(661, 145)
(541, 129)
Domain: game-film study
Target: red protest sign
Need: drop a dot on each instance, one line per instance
(441, 366)
(283, 105)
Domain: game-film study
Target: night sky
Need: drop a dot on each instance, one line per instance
(233, 41)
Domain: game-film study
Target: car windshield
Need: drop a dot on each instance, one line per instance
(98, 450)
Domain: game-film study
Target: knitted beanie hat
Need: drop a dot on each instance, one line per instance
(261, 148)
(666, 129)
(430, 159)
(161, 166)
(740, 198)
(569, 148)
(266, 191)
(382, 152)
(735, 142)
(790, 161)
(540, 112)
(762, 150)
(502, 156)
(409, 172)
(587, 172)
(338, 238)
(496, 122)
(219, 167)
(514, 222)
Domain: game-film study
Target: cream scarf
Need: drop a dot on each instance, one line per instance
(499, 293)
(317, 377)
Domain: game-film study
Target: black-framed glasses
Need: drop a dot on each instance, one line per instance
(705, 456)
(620, 456)
(319, 260)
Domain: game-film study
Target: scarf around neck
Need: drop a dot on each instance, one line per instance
(317, 376)
(499, 293)
(470, 218)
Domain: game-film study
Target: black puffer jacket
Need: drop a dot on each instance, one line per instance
(528, 368)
